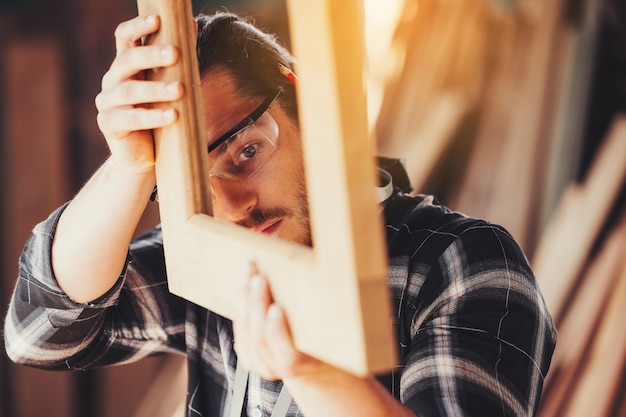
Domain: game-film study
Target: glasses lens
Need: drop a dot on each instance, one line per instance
(244, 153)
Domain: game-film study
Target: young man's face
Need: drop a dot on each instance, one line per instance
(272, 198)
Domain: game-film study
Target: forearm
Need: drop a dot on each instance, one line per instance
(332, 392)
(93, 234)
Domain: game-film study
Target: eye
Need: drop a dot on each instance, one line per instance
(248, 152)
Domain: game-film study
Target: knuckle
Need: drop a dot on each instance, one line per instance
(106, 126)
(140, 118)
(131, 118)
(98, 101)
(102, 119)
(105, 80)
(122, 60)
(119, 30)
(125, 91)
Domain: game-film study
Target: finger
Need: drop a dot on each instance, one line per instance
(131, 93)
(279, 339)
(134, 61)
(278, 331)
(287, 360)
(120, 122)
(242, 293)
(259, 301)
(130, 32)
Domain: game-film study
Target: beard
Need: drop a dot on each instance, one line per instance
(299, 215)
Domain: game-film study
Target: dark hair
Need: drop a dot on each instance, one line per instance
(251, 56)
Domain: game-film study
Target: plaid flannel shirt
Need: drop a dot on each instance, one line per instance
(474, 335)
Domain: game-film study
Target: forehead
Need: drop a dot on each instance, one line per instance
(223, 106)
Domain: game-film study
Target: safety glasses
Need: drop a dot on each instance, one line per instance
(245, 148)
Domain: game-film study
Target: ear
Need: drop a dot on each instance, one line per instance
(195, 24)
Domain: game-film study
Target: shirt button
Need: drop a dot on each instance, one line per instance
(257, 412)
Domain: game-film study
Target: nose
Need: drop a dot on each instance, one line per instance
(232, 200)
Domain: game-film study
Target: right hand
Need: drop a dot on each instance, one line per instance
(124, 113)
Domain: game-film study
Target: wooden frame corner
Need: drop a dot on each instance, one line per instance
(335, 294)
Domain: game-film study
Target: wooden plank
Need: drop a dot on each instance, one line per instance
(443, 70)
(585, 310)
(500, 182)
(578, 49)
(167, 391)
(568, 238)
(580, 323)
(349, 254)
(34, 161)
(598, 384)
(425, 151)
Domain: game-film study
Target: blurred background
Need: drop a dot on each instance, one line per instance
(508, 110)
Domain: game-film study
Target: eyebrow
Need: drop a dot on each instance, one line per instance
(247, 121)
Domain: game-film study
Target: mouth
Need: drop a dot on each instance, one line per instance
(269, 227)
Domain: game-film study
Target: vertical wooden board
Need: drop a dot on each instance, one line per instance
(180, 162)
(503, 178)
(598, 384)
(579, 325)
(42, 393)
(578, 219)
(36, 183)
(166, 392)
(338, 158)
(205, 255)
(36, 128)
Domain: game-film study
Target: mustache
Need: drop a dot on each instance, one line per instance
(258, 216)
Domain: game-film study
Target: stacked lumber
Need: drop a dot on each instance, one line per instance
(506, 157)
(585, 289)
(501, 88)
(442, 72)
(578, 220)
(473, 103)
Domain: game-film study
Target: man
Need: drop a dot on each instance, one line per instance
(475, 337)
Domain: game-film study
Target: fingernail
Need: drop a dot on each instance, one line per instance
(167, 52)
(169, 114)
(274, 312)
(250, 269)
(256, 284)
(150, 20)
(172, 87)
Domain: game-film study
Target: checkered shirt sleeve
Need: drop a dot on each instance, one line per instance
(136, 318)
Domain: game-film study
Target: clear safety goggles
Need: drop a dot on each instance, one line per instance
(245, 148)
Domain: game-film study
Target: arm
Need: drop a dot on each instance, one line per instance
(135, 318)
(72, 269)
(100, 221)
(99, 224)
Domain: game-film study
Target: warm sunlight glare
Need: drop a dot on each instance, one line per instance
(381, 19)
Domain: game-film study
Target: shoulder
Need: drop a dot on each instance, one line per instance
(420, 229)
(439, 258)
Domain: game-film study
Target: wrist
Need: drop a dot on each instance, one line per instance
(136, 167)
(128, 178)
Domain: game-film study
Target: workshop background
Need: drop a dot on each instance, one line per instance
(509, 110)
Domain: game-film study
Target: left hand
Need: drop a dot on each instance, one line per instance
(263, 341)
(264, 345)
